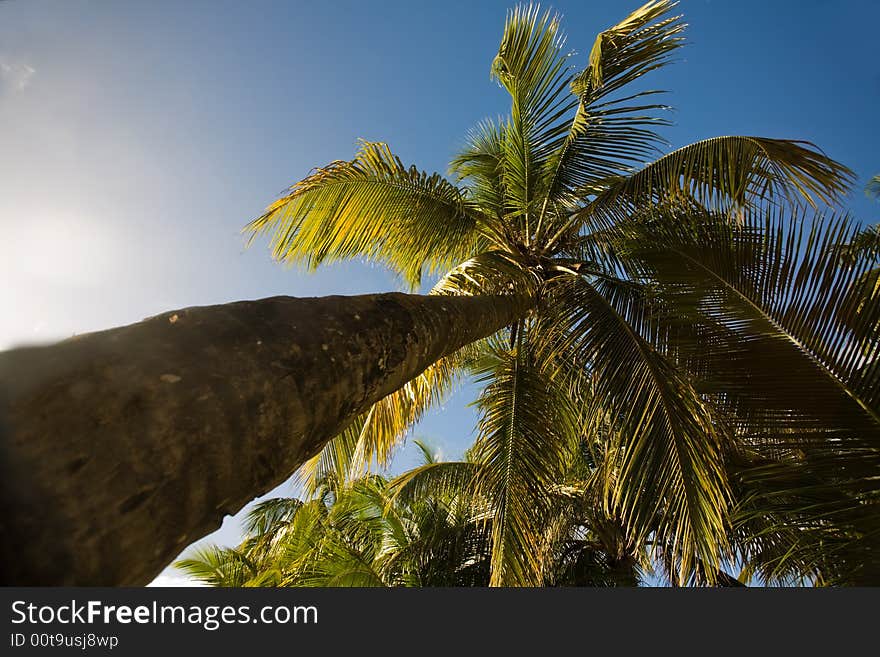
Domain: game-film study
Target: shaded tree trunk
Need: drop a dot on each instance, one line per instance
(121, 447)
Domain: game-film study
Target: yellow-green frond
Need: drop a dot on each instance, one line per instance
(373, 208)
(609, 134)
(739, 170)
(533, 66)
(640, 43)
(527, 430)
(332, 467)
(531, 62)
(444, 479)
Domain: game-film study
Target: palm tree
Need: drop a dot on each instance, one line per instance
(353, 534)
(412, 532)
(612, 278)
(700, 308)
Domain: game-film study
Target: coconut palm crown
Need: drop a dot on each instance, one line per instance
(695, 317)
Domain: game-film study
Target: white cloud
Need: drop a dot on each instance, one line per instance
(166, 578)
(15, 75)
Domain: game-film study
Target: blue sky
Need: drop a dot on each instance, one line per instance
(137, 138)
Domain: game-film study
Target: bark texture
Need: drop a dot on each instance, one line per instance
(121, 447)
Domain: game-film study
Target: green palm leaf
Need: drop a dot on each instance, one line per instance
(792, 293)
(672, 479)
(720, 172)
(371, 207)
(448, 479)
(218, 566)
(480, 163)
(533, 66)
(527, 431)
(741, 169)
(794, 318)
(608, 136)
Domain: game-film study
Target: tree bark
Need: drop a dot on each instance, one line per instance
(121, 447)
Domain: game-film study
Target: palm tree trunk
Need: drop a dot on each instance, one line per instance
(119, 448)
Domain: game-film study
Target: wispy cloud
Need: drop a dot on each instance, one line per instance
(15, 75)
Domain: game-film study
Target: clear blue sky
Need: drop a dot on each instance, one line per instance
(136, 138)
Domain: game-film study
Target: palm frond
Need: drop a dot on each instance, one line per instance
(872, 190)
(218, 566)
(444, 479)
(740, 170)
(490, 272)
(721, 172)
(533, 66)
(791, 316)
(480, 165)
(866, 244)
(531, 62)
(371, 207)
(672, 478)
(389, 420)
(426, 452)
(333, 466)
(298, 544)
(266, 516)
(527, 431)
(778, 279)
(608, 136)
(346, 549)
(640, 43)
(588, 543)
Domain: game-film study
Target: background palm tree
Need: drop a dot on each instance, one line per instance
(427, 527)
(354, 534)
(698, 309)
